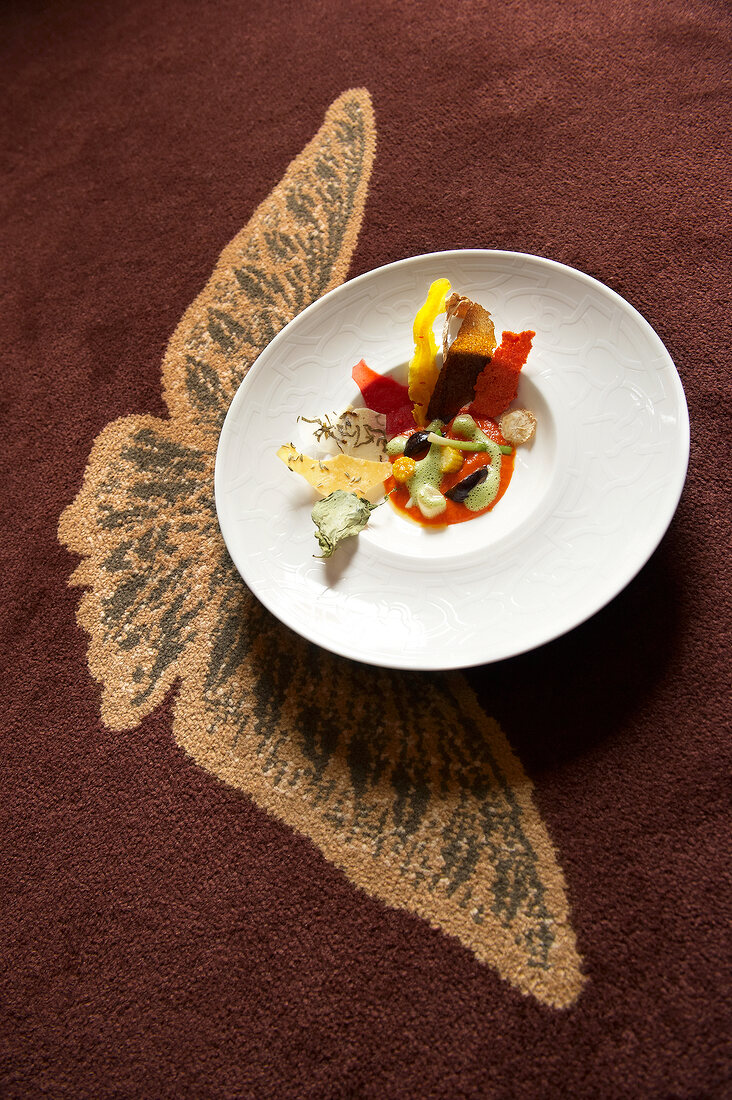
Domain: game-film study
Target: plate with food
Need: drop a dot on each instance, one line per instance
(452, 459)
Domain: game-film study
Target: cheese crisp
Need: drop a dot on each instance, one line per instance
(355, 475)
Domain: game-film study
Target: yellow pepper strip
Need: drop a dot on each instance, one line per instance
(422, 369)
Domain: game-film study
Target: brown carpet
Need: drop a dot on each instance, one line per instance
(512, 882)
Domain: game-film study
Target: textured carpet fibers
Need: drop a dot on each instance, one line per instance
(509, 883)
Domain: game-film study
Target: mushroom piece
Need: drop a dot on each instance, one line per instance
(517, 426)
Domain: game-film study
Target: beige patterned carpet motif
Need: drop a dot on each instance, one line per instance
(400, 779)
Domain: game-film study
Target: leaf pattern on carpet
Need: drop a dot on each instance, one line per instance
(401, 779)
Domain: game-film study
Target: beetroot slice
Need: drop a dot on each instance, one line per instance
(399, 420)
(385, 395)
(379, 393)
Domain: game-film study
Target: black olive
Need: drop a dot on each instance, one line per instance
(459, 492)
(418, 441)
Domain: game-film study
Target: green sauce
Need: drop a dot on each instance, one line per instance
(424, 485)
(429, 472)
(396, 445)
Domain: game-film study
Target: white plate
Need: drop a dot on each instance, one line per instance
(589, 501)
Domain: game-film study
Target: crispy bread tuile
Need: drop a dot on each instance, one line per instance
(466, 357)
(340, 472)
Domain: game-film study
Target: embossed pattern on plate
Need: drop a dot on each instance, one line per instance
(590, 499)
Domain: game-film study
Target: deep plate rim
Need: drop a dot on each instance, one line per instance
(422, 661)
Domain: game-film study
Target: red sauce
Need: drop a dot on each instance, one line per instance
(457, 513)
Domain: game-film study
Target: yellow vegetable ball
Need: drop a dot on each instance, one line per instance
(403, 469)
